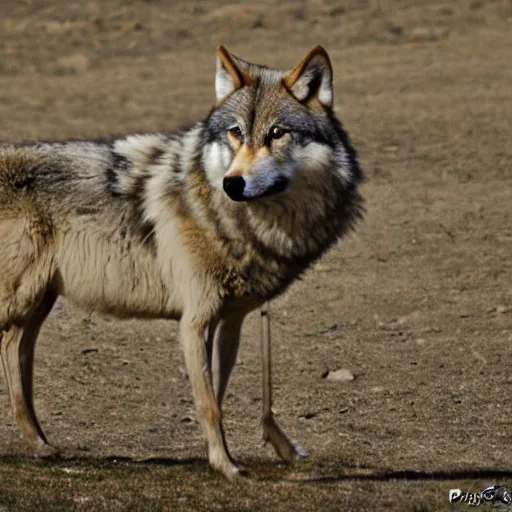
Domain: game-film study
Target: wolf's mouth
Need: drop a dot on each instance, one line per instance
(234, 188)
(280, 185)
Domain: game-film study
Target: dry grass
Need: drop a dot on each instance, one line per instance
(187, 485)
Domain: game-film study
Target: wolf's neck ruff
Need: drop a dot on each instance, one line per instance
(261, 245)
(264, 185)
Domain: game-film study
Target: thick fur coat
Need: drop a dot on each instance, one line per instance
(201, 226)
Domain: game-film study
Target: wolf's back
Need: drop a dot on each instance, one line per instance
(50, 175)
(18, 171)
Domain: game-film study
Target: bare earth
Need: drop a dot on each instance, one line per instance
(417, 303)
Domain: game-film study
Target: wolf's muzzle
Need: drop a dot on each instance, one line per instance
(234, 187)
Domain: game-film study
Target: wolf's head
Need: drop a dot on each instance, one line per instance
(269, 127)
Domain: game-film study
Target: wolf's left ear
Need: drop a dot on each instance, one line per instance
(312, 78)
(230, 73)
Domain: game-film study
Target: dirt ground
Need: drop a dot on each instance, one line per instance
(417, 303)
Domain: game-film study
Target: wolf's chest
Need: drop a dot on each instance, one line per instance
(260, 278)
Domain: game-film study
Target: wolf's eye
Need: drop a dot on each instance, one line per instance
(236, 132)
(276, 132)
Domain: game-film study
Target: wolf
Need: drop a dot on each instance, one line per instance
(201, 226)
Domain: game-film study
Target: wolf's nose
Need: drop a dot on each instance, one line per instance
(234, 187)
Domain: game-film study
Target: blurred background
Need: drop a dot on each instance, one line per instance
(72, 68)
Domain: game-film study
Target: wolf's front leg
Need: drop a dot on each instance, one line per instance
(208, 411)
(272, 432)
(223, 347)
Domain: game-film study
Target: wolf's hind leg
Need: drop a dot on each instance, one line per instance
(287, 449)
(17, 354)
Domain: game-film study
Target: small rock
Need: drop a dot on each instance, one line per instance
(420, 341)
(258, 23)
(337, 11)
(396, 30)
(73, 64)
(390, 149)
(377, 389)
(54, 27)
(89, 350)
(428, 33)
(501, 309)
(308, 415)
(70, 471)
(420, 34)
(342, 375)
(187, 419)
(446, 11)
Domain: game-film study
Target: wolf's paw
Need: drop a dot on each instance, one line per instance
(46, 451)
(288, 450)
(285, 448)
(299, 452)
(221, 462)
(229, 470)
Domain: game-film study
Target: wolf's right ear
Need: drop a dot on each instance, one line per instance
(229, 75)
